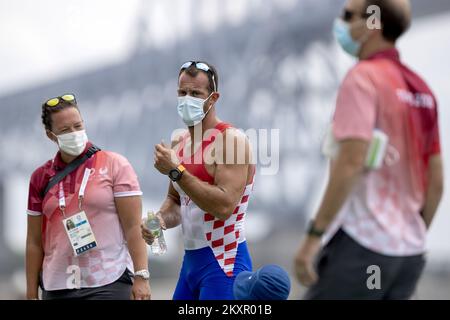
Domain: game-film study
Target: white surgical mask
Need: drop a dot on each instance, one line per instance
(73, 143)
(190, 109)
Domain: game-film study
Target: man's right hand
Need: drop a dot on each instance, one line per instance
(146, 234)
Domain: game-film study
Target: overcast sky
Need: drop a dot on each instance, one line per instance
(42, 40)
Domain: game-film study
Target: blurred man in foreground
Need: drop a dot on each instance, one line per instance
(386, 178)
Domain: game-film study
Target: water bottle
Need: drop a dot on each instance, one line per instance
(153, 224)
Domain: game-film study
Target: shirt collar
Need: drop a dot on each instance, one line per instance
(392, 54)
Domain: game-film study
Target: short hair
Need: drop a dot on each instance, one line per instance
(395, 21)
(193, 72)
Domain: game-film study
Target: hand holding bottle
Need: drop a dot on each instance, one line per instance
(152, 231)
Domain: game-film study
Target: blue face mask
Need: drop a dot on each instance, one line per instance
(343, 36)
(190, 109)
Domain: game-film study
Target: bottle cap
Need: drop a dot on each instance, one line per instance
(150, 214)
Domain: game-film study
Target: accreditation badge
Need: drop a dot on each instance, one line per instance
(80, 233)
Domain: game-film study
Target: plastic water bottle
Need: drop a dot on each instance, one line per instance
(153, 224)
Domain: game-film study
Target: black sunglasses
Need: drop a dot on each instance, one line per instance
(347, 15)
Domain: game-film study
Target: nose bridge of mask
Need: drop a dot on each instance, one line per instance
(71, 135)
(197, 102)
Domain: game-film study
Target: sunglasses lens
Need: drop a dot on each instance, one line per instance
(52, 102)
(347, 15)
(186, 65)
(68, 97)
(202, 66)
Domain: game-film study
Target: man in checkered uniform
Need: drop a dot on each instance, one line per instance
(211, 182)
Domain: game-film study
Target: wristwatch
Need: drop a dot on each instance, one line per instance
(144, 274)
(176, 174)
(312, 231)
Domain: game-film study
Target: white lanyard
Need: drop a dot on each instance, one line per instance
(62, 198)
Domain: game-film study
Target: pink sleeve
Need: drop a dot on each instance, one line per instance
(125, 181)
(356, 105)
(34, 207)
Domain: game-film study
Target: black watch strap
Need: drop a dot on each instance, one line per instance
(312, 231)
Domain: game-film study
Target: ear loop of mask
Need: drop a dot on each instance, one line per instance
(210, 105)
(55, 137)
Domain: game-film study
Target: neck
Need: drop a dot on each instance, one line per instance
(210, 122)
(67, 158)
(373, 47)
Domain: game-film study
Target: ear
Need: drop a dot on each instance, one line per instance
(51, 136)
(214, 98)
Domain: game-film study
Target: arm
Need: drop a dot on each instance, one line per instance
(221, 198)
(169, 215)
(435, 189)
(170, 209)
(34, 255)
(129, 210)
(344, 172)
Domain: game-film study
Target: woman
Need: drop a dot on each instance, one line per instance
(93, 255)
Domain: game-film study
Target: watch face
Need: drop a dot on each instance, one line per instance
(174, 174)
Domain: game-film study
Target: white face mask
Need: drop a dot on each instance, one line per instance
(73, 143)
(190, 109)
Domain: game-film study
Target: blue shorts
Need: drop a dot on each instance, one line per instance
(202, 278)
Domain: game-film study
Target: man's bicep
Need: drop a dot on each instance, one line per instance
(353, 151)
(231, 177)
(231, 174)
(236, 148)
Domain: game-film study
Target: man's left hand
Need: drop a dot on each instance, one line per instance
(141, 289)
(304, 261)
(165, 158)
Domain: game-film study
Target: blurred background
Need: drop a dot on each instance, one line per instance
(279, 68)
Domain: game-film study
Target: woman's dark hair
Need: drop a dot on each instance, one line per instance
(394, 19)
(47, 112)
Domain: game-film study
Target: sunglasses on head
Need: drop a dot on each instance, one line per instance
(53, 102)
(347, 15)
(200, 66)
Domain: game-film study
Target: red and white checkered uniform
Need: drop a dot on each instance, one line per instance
(201, 229)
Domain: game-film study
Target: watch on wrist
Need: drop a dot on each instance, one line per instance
(312, 231)
(144, 274)
(176, 174)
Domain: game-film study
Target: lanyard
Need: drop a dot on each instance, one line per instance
(62, 198)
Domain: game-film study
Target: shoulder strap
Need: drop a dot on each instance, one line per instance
(222, 126)
(70, 168)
